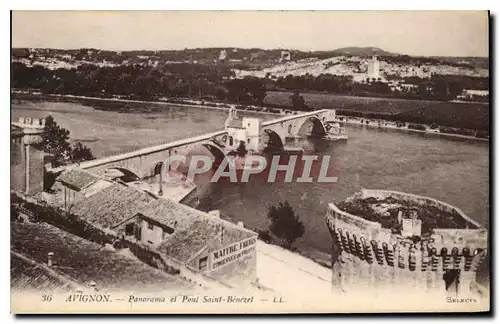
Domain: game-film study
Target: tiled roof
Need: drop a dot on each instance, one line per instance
(172, 214)
(26, 275)
(83, 261)
(184, 243)
(77, 179)
(193, 229)
(111, 205)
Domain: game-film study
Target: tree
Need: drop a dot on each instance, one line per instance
(298, 101)
(81, 153)
(56, 141)
(285, 224)
(241, 150)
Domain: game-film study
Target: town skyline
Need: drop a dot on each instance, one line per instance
(430, 33)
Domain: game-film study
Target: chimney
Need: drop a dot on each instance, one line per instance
(49, 261)
(400, 216)
(93, 285)
(240, 224)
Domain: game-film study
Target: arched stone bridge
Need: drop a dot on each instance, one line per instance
(147, 162)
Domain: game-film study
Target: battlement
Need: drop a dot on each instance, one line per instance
(396, 237)
(29, 122)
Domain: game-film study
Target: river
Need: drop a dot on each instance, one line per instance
(452, 170)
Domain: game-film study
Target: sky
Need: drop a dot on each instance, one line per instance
(426, 33)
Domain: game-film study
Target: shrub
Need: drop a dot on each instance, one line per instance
(416, 126)
(264, 235)
(285, 224)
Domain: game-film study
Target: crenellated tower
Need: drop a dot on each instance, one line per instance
(387, 240)
(27, 156)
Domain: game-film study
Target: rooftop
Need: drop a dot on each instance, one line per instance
(112, 205)
(169, 213)
(176, 191)
(185, 243)
(83, 261)
(27, 275)
(77, 179)
(384, 207)
(193, 229)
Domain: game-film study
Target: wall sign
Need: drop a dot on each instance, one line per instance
(231, 253)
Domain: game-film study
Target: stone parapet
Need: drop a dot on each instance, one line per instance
(368, 255)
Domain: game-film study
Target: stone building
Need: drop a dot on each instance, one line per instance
(27, 156)
(72, 185)
(399, 242)
(189, 240)
(246, 130)
(374, 68)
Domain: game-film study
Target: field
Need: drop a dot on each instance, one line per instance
(453, 114)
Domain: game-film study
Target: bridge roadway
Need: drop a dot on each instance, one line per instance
(142, 162)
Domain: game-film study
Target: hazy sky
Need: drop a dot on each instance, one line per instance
(445, 33)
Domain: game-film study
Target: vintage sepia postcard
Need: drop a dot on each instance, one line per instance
(231, 162)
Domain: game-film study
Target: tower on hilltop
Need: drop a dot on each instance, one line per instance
(374, 68)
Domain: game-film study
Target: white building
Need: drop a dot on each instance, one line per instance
(245, 130)
(223, 55)
(374, 68)
(285, 56)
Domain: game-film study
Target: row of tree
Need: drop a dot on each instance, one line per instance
(142, 83)
(216, 82)
(438, 87)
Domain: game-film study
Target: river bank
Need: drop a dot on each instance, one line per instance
(383, 124)
(357, 121)
(162, 101)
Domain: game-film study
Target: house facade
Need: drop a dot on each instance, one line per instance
(187, 239)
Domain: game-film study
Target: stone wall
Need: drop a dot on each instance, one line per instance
(17, 164)
(366, 255)
(240, 272)
(27, 156)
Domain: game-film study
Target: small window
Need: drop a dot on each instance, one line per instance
(230, 140)
(129, 229)
(248, 140)
(203, 263)
(150, 226)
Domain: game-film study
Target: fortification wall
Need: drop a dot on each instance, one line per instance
(27, 156)
(366, 255)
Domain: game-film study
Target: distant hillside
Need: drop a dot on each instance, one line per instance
(362, 51)
(238, 58)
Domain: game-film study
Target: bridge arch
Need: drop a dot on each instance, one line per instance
(215, 150)
(312, 126)
(275, 141)
(128, 175)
